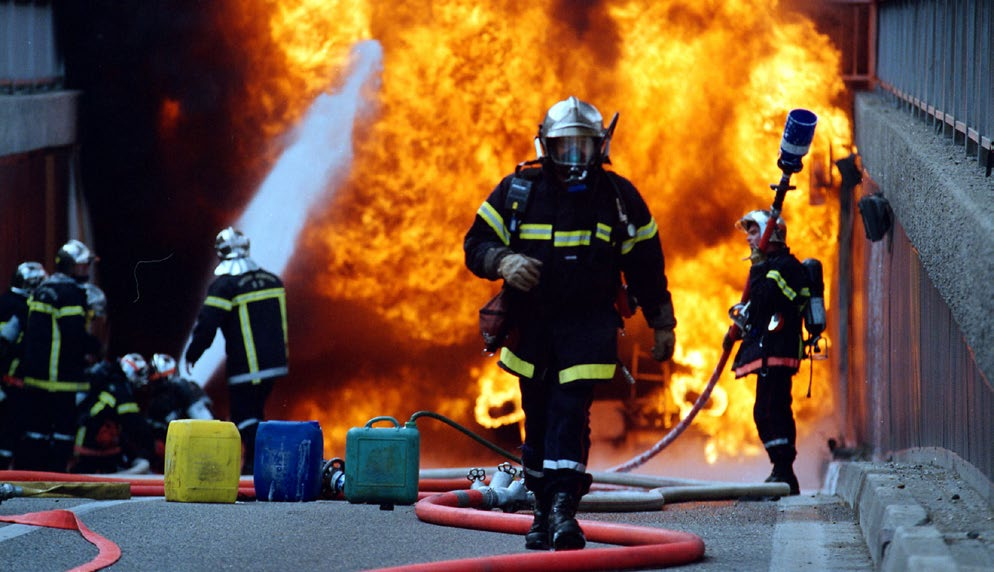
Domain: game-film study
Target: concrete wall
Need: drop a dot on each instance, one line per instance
(945, 203)
(37, 121)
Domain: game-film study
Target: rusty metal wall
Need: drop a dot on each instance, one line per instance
(911, 380)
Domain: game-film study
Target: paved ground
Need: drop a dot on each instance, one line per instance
(868, 516)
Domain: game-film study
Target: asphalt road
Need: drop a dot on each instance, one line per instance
(807, 532)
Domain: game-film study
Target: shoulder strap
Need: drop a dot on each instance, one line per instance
(519, 193)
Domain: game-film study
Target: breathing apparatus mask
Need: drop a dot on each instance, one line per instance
(572, 136)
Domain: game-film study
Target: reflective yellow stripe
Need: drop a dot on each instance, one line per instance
(775, 276)
(49, 385)
(490, 216)
(587, 371)
(266, 294)
(218, 302)
(53, 354)
(645, 233)
(603, 232)
(572, 238)
(128, 408)
(516, 364)
(243, 300)
(97, 408)
(536, 232)
(36, 306)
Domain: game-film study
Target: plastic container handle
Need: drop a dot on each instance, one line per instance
(382, 418)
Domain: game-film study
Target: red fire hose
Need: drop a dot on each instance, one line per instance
(643, 547)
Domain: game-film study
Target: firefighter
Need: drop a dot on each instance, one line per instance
(248, 305)
(562, 232)
(112, 434)
(13, 317)
(57, 349)
(772, 342)
(165, 397)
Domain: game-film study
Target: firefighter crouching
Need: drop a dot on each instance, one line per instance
(248, 305)
(13, 318)
(57, 347)
(561, 232)
(772, 342)
(166, 397)
(113, 435)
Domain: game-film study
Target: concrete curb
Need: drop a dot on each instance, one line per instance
(895, 527)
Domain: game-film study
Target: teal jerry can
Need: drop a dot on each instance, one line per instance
(381, 463)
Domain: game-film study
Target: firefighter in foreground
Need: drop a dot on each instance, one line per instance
(13, 318)
(58, 346)
(772, 342)
(561, 232)
(248, 305)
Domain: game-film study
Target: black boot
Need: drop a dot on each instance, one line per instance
(564, 531)
(784, 473)
(537, 537)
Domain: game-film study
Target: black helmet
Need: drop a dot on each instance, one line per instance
(27, 277)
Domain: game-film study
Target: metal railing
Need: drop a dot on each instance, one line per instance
(29, 61)
(936, 57)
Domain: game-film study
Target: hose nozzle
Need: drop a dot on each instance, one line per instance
(797, 136)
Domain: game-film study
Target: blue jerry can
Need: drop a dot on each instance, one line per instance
(288, 460)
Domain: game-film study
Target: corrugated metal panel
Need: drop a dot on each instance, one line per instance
(911, 380)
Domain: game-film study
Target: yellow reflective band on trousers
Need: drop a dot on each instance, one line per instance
(493, 219)
(242, 301)
(516, 364)
(596, 371)
(645, 233)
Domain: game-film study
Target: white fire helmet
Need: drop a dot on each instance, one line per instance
(74, 259)
(232, 247)
(135, 368)
(27, 277)
(231, 244)
(163, 367)
(760, 217)
(572, 136)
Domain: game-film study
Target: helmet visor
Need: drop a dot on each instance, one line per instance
(573, 151)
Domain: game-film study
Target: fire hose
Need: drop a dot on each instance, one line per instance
(797, 136)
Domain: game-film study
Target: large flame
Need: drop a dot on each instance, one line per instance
(703, 90)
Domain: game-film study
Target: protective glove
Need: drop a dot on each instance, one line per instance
(520, 271)
(662, 348)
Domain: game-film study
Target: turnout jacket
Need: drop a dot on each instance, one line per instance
(13, 319)
(568, 322)
(110, 422)
(250, 311)
(56, 338)
(779, 290)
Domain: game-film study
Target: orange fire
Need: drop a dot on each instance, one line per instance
(703, 92)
